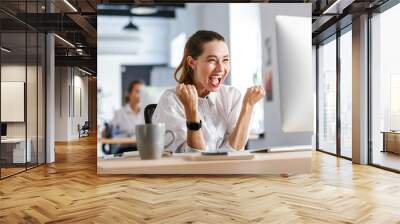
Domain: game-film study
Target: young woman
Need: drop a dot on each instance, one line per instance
(204, 114)
(126, 118)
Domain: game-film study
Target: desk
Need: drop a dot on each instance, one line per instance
(391, 141)
(16, 153)
(132, 140)
(281, 162)
(118, 141)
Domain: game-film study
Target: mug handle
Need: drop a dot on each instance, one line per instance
(106, 152)
(173, 138)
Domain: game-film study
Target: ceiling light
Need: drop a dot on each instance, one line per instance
(131, 26)
(84, 71)
(70, 5)
(64, 40)
(5, 50)
(143, 10)
(337, 7)
(80, 45)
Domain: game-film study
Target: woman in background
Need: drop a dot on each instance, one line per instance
(204, 114)
(130, 115)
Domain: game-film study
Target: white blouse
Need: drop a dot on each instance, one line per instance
(126, 120)
(218, 112)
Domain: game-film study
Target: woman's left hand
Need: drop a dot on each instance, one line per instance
(253, 95)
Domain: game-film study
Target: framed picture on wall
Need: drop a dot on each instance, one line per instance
(12, 101)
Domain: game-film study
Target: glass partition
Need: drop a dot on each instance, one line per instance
(14, 153)
(22, 88)
(31, 100)
(327, 96)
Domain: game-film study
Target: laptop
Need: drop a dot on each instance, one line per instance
(209, 156)
(260, 150)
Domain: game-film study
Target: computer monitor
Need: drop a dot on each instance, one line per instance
(294, 49)
(3, 129)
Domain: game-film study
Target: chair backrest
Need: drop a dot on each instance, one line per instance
(148, 113)
(86, 125)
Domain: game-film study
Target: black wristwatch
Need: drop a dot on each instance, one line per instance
(193, 126)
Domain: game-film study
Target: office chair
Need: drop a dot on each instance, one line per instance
(84, 129)
(148, 113)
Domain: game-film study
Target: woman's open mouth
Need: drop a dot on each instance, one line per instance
(215, 80)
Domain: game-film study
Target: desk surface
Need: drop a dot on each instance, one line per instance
(132, 140)
(298, 161)
(120, 141)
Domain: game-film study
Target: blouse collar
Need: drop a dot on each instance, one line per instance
(211, 97)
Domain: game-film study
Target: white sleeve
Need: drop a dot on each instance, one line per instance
(233, 111)
(170, 111)
(116, 119)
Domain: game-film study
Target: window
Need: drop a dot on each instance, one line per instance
(246, 58)
(346, 94)
(327, 96)
(385, 89)
(394, 101)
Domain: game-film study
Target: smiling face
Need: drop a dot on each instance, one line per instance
(211, 67)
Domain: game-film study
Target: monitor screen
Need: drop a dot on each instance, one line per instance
(3, 129)
(295, 73)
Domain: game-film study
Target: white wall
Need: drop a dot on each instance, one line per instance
(81, 113)
(180, 28)
(33, 126)
(215, 17)
(274, 135)
(314, 70)
(68, 82)
(61, 103)
(17, 73)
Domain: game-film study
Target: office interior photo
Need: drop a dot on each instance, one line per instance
(323, 144)
(38, 107)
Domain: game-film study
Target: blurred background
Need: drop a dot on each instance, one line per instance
(152, 47)
(146, 43)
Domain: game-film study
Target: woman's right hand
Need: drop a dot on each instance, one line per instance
(187, 94)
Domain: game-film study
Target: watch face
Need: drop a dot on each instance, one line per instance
(193, 126)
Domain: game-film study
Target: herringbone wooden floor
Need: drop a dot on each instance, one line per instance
(70, 191)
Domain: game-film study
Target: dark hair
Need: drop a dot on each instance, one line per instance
(130, 88)
(194, 48)
(133, 84)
